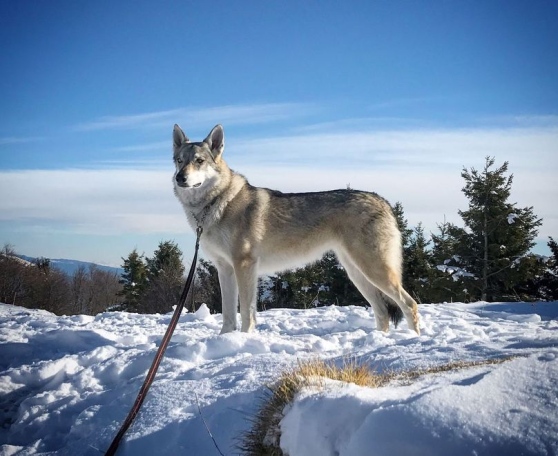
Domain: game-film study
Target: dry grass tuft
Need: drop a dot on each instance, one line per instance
(263, 437)
(410, 376)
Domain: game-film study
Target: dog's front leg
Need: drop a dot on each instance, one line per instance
(246, 272)
(229, 296)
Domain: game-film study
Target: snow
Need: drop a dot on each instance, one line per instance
(455, 272)
(67, 383)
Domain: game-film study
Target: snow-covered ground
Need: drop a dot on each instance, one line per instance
(67, 383)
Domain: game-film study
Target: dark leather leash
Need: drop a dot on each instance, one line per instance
(160, 352)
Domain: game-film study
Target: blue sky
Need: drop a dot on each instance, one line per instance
(387, 96)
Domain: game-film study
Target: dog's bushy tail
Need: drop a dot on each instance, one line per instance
(394, 312)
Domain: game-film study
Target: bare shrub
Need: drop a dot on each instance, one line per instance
(40, 286)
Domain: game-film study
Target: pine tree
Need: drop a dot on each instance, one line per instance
(449, 278)
(531, 271)
(299, 288)
(167, 259)
(320, 283)
(403, 225)
(332, 285)
(498, 234)
(133, 280)
(548, 285)
(418, 267)
(206, 287)
(281, 291)
(406, 235)
(165, 273)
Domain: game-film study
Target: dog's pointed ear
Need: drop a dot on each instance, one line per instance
(178, 137)
(216, 141)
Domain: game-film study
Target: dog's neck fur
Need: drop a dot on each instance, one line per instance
(205, 206)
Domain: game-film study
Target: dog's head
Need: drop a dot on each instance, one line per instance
(197, 163)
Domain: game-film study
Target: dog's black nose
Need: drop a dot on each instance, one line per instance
(180, 179)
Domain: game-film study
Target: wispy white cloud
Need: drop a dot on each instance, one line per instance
(92, 201)
(361, 124)
(533, 148)
(193, 117)
(130, 121)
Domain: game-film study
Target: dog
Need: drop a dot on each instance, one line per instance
(249, 230)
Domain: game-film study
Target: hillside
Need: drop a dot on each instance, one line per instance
(68, 382)
(71, 266)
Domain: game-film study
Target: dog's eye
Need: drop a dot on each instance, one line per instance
(199, 161)
(179, 161)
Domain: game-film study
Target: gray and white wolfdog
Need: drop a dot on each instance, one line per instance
(249, 230)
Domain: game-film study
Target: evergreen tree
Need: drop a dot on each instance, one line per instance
(340, 289)
(134, 281)
(280, 291)
(530, 271)
(167, 259)
(498, 234)
(548, 285)
(406, 232)
(299, 288)
(165, 273)
(320, 283)
(448, 273)
(406, 235)
(417, 261)
(266, 293)
(206, 287)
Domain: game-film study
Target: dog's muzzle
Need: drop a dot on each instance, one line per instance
(181, 182)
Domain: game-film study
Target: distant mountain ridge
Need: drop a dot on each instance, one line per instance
(71, 266)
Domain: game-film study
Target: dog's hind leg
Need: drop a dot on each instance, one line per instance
(409, 306)
(387, 279)
(368, 290)
(229, 295)
(389, 282)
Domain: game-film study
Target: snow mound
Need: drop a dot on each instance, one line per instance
(203, 312)
(488, 410)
